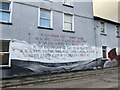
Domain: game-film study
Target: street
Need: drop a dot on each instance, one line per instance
(108, 79)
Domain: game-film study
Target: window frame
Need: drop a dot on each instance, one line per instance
(72, 30)
(105, 31)
(117, 30)
(67, 4)
(51, 19)
(8, 11)
(104, 58)
(48, 0)
(6, 52)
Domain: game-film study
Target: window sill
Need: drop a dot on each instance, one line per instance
(45, 28)
(118, 36)
(104, 59)
(49, 1)
(103, 34)
(68, 31)
(5, 66)
(7, 23)
(68, 5)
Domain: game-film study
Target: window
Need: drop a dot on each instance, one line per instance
(5, 12)
(4, 53)
(117, 30)
(68, 22)
(45, 18)
(104, 52)
(68, 2)
(48, 0)
(102, 27)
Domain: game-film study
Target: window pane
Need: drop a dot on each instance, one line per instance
(68, 26)
(4, 46)
(45, 14)
(117, 27)
(102, 27)
(65, 1)
(4, 59)
(104, 51)
(44, 22)
(68, 18)
(102, 24)
(68, 22)
(117, 30)
(102, 30)
(5, 16)
(4, 5)
(104, 47)
(68, 2)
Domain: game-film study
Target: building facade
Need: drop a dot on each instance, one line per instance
(107, 36)
(54, 34)
(119, 20)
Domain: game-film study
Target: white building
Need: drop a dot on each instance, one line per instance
(56, 35)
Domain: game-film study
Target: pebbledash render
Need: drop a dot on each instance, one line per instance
(56, 34)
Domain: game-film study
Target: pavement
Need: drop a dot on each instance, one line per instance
(103, 78)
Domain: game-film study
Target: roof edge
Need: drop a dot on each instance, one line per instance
(106, 20)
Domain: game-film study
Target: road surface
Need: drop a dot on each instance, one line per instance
(108, 79)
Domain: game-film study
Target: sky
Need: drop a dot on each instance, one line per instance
(107, 9)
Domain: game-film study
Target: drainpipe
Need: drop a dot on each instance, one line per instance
(95, 34)
(29, 37)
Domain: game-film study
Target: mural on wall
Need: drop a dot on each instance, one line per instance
(113, 55)
(114, 58)
(53, 49)
(55, 53)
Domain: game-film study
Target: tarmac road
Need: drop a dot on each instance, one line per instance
(109, 79)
